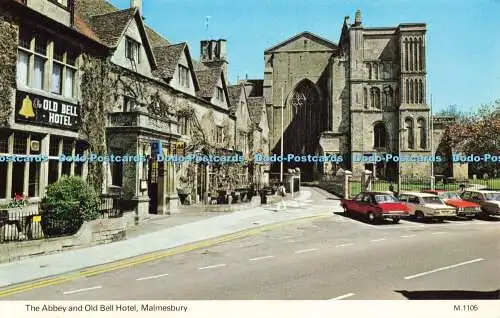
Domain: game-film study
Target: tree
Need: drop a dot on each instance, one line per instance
(453, 111)
(478, 133)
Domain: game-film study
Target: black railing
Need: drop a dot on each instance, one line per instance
(19, 225)
(16, 225)
(111, 206)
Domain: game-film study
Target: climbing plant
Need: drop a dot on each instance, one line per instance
(97, 87)
(8, 57)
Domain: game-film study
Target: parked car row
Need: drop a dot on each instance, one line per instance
(428, 204)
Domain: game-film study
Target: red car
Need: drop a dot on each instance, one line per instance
(376, 206)
(464, 208)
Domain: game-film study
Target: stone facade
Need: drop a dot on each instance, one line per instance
(365, 95)
(159, 95)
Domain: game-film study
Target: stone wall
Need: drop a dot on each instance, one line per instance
(91, 233)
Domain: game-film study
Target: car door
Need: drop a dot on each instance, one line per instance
(403, 198)
(413, 203)
(354, 203)
(364, 204)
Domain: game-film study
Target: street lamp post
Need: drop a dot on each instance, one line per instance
(282, 112)
(401, 141)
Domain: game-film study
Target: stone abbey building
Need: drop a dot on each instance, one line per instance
(364, 95)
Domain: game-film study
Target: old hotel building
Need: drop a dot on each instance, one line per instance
(43, 41)
(161, 100)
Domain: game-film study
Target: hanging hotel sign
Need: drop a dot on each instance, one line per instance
(39, 110)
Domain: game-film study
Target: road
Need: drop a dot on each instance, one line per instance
(329, 258)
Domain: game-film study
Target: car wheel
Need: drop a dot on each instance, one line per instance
(395, 220)
(371, 217)
(420, 216)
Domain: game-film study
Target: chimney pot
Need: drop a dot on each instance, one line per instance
(136, 4)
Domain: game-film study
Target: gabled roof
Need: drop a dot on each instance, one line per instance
(88, 8)
(208, 79)
(168, 57)
(234, 92)
(155, 38)
(307, 34)
(255, 108)
(110, 28)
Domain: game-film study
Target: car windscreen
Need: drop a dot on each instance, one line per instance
(449, 196)
(493, 196)
(382, 198)
(432, 200)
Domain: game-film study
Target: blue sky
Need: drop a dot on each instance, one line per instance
(463, 37)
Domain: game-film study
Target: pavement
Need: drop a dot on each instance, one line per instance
(158, 234)
(327, 256)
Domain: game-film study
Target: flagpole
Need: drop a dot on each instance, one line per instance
(281, 161)
(431, 119)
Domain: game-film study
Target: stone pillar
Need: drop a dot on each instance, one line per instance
(347, 188)
(366, 180)
(44, 165)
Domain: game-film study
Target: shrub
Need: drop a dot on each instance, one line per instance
(67, 204)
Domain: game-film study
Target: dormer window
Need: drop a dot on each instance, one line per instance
(220, 94)
(132, 50)
(183, 76)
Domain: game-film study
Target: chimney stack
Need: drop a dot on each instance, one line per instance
(136, 4)
(357, 18)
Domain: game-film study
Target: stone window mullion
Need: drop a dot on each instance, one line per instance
(27, 167)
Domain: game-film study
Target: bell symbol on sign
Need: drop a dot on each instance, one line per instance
(27, 108)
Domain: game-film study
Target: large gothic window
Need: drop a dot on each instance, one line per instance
(379, 136)
(304, 95)
(307, 117)
(410, 135)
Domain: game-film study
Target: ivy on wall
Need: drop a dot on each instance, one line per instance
(8, 57)
(97, 87)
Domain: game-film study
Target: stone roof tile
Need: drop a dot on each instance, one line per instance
(109, 27)
(208, 79)
(167, 58)
(255, 108)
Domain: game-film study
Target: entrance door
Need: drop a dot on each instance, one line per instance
(153, 186)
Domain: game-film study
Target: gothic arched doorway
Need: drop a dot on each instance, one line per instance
(302, 135)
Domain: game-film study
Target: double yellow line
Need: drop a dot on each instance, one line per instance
(24, 287)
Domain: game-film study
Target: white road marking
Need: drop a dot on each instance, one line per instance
(343, 296)
(213, 266)
(347, 244)
(260, 258)
(435, 233)
(378, 240)
(152, 277)
(444, 268)
(305, 251)
(81, 290)
(411, 235)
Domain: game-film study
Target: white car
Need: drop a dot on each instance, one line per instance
(426, 206)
